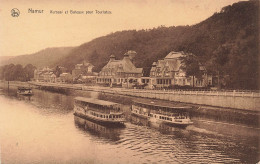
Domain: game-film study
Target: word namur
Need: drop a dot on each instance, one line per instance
(30, 10)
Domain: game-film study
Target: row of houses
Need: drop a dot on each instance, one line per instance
(165, 72)
(60, 74)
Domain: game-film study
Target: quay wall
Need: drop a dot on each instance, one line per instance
(248, 101)
(126, 96)
(236, 100)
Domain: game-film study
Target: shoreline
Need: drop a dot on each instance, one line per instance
(249, 117)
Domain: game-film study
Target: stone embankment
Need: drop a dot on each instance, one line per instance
(224, 99)
(206, 104)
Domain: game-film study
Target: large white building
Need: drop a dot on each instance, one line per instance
(120, 72)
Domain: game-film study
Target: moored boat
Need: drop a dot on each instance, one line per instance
(27, 91)
(98, 110)
(156, 111)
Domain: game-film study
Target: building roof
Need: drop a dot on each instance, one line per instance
(64, 74)
(174, 55)
(124, 65)
(85, 64)
(172, 65)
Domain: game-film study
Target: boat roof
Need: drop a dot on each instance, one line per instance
(163, 104)
(95, 101)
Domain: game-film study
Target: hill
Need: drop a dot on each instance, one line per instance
(226, 42)
(4, 59)
(46, 57)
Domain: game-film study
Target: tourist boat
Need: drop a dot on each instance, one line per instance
(27, 91)
(165, 112)
(98, 110)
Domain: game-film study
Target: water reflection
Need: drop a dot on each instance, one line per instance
(24, 97)
(212, 140)
(109, 132)
(48, 102)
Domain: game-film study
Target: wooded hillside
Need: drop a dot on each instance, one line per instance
(227, 43)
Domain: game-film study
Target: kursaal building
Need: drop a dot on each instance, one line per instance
(120, 72)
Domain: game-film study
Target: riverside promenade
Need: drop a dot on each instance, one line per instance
(224, 99)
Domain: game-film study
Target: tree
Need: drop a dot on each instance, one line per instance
(29, 71)
(13, 72)
(191, 65)
(57, 71)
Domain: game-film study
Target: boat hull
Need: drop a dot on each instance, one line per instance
(183, 125)
(25, 94)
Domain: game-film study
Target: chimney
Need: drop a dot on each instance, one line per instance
(112, 58)
(126, 56)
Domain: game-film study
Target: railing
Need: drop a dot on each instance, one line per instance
(182, 92)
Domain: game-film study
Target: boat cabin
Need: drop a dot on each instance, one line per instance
(24, 91)
(99, 110)
(164, 109)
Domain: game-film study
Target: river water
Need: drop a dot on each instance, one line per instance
(43, 129)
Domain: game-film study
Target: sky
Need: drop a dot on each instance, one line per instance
(31, 32)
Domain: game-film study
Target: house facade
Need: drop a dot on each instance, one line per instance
(167, 72)
(120, 72)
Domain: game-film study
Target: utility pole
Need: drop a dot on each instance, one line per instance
(8, 86)
(218, 81)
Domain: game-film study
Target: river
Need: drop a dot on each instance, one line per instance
(43, 129)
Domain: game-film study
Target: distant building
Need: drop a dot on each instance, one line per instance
(80, 70)
(167, 72)
(44, 75)
(121, 72)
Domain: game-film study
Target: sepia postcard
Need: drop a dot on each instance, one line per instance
(129, 81)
